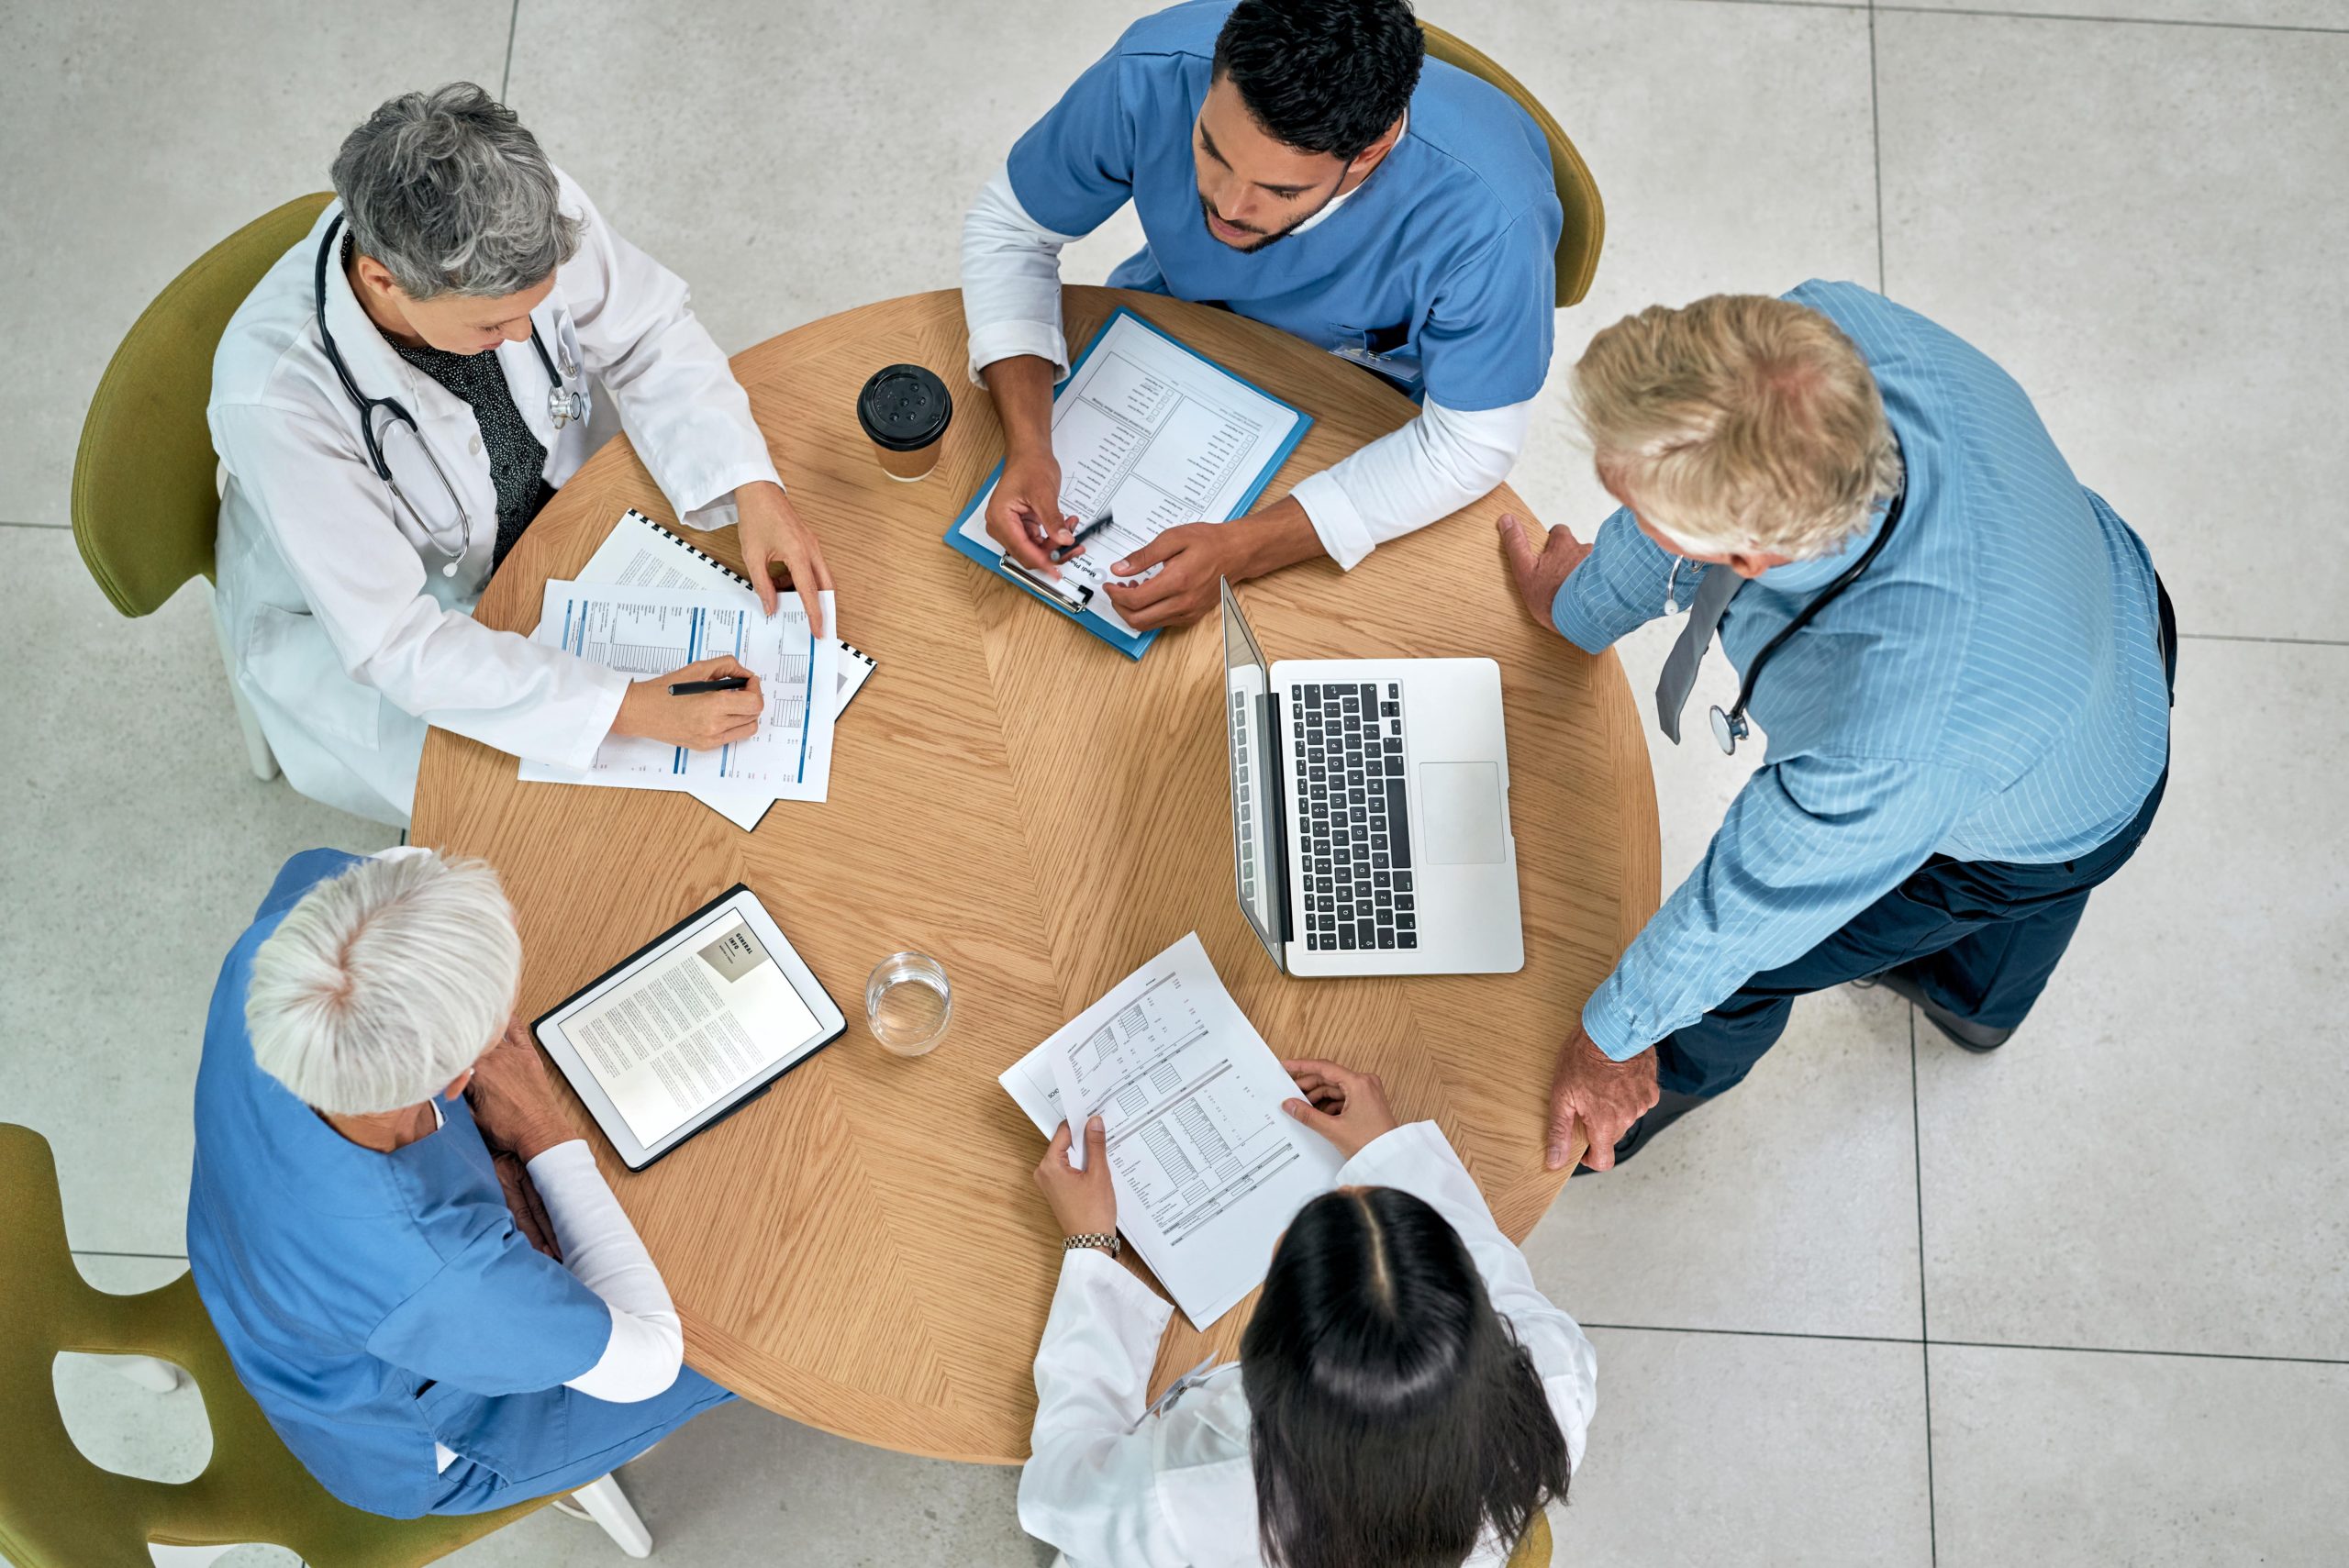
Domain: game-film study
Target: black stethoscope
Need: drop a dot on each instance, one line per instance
(564, 405)
(1730, 728)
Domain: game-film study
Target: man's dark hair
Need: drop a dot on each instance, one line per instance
(1395, 1419)
(1322, 75)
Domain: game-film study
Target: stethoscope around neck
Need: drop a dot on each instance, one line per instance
(564, 405)
(1730, 728)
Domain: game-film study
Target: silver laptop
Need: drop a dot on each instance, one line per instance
(1370, 811)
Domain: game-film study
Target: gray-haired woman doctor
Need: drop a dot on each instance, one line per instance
(392, 405)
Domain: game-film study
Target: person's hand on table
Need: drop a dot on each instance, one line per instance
(699, 721)
(1192, 558)
(1024, 513)
(1602, 1096)
(1084, 1202)
(1540, 574)
(514, 1100)
(771, 531)
(1347, 1107)
(523, 1203)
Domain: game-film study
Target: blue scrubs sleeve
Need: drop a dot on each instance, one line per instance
(1488, 335)
(1075, 167)
(499, 1317)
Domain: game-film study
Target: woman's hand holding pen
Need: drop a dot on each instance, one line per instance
(700, 721)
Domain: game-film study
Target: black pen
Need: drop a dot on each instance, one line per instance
(1086, 532)
(723, 683)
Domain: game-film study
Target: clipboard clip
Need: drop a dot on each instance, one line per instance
(1074, 599)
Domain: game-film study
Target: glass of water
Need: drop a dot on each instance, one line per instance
(907, 1003)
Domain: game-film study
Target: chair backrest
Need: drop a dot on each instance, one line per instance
(1534, 1547)
(58, 1510)
(1585, 225)
(145, 508)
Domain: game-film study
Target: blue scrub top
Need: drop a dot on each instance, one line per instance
(372, 1303)
(1437, 272)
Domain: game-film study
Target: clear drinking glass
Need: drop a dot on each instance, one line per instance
(907, 1003)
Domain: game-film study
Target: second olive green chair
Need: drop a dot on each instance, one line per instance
(1585, 225)
(146, 506)
(58, 1510)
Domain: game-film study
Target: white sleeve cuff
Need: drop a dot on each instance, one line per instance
(1010, 340)
(1336, 521)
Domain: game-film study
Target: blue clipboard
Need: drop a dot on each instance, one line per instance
(1132, 644)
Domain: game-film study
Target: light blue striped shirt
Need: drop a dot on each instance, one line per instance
(1991, 688)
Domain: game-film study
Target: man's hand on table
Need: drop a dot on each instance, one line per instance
(1024, 513)
(1192, 556)
(771, 531)
(1540, 574)
(1602, 1097)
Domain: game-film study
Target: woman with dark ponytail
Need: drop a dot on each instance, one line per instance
(1404, 1397)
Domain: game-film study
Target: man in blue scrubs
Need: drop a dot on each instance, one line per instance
(1968, 733)
(1301, 163)
(348, 1229)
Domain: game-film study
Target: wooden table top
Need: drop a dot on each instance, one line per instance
(864, 1249)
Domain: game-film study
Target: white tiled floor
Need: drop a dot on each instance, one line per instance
(2123, 1235)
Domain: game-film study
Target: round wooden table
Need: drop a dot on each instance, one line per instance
(864, 1249)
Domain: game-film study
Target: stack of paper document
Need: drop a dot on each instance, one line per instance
(649, 603)
(1209, 1169)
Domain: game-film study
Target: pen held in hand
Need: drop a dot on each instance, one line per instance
(722, 684)
(1086, 532)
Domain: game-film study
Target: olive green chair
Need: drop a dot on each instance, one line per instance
(1585, 225)
(58, 1510)
(146, 504)
(1533, 1546)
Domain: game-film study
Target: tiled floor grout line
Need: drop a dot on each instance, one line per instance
(506, 77)
(5, 523)
(2002, 14)
(1968, 1344)
(1875, 149)
(1924, 1319)
(2288, 641)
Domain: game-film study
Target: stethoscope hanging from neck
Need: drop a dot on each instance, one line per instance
(1730, 728)
(564, 405)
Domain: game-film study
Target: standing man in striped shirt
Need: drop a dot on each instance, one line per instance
(1961, 658)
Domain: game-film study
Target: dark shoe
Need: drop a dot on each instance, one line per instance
(1668, 1109)
(1974, 1036)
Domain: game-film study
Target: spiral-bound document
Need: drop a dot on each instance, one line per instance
(639, 552)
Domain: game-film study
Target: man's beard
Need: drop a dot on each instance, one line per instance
(1206, 210)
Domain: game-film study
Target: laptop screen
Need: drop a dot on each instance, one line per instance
(1258, 869)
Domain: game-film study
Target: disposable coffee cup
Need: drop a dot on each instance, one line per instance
(904, 409)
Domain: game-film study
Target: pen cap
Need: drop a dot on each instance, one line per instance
(904, 409)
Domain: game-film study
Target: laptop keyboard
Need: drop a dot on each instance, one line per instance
(1351, 808)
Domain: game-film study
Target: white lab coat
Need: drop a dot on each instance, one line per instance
(1115, 1487)
(340, 626)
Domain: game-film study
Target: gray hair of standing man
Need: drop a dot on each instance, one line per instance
(382, 986)
(449, 192)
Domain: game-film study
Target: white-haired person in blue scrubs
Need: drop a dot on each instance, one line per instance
(381, 1290)
(1301, 163)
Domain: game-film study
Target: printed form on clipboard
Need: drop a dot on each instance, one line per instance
(1209, 1169)
(1150, 433)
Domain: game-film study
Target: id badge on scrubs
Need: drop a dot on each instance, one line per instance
(1383, 350)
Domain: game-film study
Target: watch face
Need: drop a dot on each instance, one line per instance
(1722, 735)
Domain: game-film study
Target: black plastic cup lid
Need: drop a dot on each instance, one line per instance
(903, 408)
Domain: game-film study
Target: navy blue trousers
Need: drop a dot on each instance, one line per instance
(1980, 937)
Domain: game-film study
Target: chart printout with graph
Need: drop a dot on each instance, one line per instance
(642, 631)
(1209, 1169)
(1152, 435)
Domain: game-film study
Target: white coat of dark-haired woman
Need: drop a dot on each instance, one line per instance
(1405, 1396)
(461, 275)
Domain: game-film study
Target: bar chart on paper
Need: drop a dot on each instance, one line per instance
(644, 631)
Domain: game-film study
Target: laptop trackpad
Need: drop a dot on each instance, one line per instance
(1460, 811)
